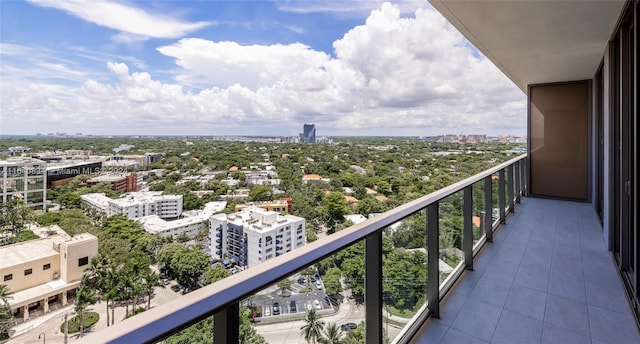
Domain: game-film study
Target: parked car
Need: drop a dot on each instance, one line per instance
(302, 281)
(267, 311)
(348, 326)
(318, 284)
(276, 308)
(175, 288)
(317, 304)
(292, 307)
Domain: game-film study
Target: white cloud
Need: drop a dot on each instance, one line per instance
(133, 23)
(347, 8)
(394, 75)
(207, 63)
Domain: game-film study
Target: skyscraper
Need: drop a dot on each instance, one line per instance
(308, 134)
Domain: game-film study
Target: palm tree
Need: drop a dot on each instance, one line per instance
(331, 335)
(5, 294)
(85, 296)
(6, 316)
(151, 280)
(104, 277)
(137, 269)
(313, 329)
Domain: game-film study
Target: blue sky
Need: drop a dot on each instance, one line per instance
(245, 68)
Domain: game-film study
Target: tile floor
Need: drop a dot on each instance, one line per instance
(547, 278)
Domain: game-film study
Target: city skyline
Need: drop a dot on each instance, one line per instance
(246, 68)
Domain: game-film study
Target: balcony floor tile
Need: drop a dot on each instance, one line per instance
(546, 278)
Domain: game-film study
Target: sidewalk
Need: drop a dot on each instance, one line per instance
(49, 324)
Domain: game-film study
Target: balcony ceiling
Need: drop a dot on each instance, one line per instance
(536, 41)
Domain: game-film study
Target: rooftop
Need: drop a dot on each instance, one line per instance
(31, 250)
(14, 161)
(108, 178)
(14, 254)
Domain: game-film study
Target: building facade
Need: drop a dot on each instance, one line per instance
(137, 204)
(190, 223)
(254, 235)
(308, 134)
(125, 182)
(279, 206)
(45, 271)
(25, 179)
(59, 174)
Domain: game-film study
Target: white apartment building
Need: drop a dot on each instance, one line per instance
(254, 235)
(137, 204)
(25, 179)
(190, 224)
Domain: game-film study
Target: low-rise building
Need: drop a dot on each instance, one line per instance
(254, 235)
(42, 272)
(280, 206)
(190, 224)
(61, 173)
(125, 182)
(137, 204)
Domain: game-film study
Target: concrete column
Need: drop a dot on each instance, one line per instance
(45, 304)
(25, 316)
(64, 298)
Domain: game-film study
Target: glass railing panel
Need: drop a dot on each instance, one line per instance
(328, 296)
(201, 332)
(404, 272)
(450, 234)
(478, 211)
(495, 213)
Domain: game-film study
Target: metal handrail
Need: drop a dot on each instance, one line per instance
(164, 320)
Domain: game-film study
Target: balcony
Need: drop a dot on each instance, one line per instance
(546, 275)
(547, 278)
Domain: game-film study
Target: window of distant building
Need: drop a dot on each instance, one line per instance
(8, 277)
(46, 267)
(28, 272)
(83, 261)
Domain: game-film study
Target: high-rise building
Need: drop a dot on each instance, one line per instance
(308, 134)
(254, 235)
(25, 179)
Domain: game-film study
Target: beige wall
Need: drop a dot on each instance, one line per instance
(37, 277)
(70, 253)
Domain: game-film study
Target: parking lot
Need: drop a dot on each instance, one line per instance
(299, 301)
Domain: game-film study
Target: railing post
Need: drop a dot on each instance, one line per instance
(467, 229)
(373, 287)
(518, 183)
(433, 255)
(501, 195)
(226, 325)
(525, 176)
(525, 182)
(488, 209)
(510, 186)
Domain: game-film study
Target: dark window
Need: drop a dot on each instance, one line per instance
(28, 272)
(83, 261)
(46, 267)
(8, 277)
